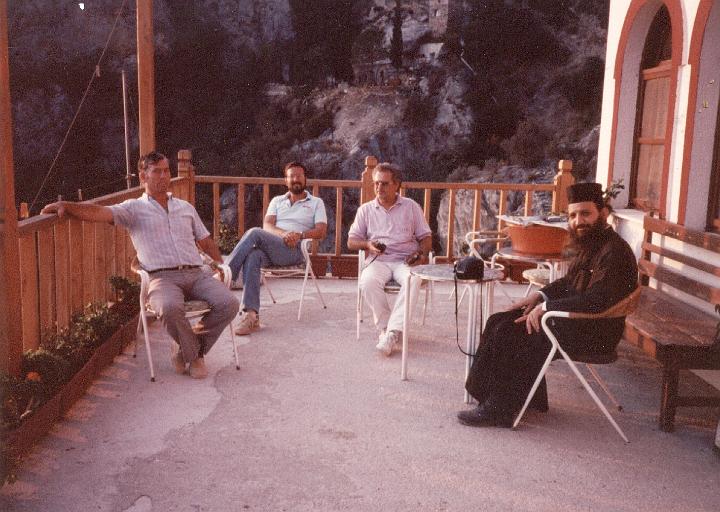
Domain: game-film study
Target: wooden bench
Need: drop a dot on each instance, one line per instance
(678, 334)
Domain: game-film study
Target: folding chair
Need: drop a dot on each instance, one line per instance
(475, 240)
(620, 309)
(539, 276)
(194, 309)
(304, 269)
(391, 287)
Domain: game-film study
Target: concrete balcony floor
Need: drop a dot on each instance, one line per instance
(316, 420)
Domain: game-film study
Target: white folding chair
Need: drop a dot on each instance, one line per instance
(475, 241)
(194, 309)
(303, 269)
(539, 276)
(620, 309)
(391, 287)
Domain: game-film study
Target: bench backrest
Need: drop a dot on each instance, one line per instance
(688, 274)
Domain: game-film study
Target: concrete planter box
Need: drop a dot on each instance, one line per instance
(36, 425)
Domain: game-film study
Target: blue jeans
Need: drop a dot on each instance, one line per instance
(259, 248)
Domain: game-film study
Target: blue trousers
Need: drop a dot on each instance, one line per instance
(259, 248)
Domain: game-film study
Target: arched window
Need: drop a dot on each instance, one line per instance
(651, 122)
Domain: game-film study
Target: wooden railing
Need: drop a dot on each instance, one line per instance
(66, 264)
(364, 187)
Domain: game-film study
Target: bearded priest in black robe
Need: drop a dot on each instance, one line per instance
(514, 347)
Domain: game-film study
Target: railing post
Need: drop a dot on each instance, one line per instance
(367, 191)
(186, 169)
(10, 310)
(563, 179)
(146, 76)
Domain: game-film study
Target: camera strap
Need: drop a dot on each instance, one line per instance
(457, 328)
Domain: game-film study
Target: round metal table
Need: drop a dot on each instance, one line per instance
(445, 273)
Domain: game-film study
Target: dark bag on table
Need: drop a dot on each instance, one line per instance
(469, 267)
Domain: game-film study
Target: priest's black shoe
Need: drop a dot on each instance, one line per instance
(484, 415)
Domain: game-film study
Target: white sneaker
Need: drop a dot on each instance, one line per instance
(250, 322)
(387, 342)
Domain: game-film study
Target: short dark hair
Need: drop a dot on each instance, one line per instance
(294, 164)
(150, 159)
(392, 169)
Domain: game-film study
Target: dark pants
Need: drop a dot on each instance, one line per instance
(509, 359)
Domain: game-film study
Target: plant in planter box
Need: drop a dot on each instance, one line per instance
(228, 239)
(45, 372)
(60, 356)
(127, 294)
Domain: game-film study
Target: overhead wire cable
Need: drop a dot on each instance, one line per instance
(95, 73)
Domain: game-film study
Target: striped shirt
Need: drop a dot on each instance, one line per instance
(400, 228)
(162, 239)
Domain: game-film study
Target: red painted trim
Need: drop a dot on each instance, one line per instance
(696, 40)
(675, 11)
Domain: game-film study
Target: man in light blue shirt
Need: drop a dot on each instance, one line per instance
(290, 218)
(166, 232)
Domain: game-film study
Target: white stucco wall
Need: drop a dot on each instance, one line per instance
(628, 103)
(629, 222)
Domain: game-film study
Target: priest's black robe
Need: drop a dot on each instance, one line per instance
(509, 359)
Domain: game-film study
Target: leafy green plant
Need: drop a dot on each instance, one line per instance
(44, 371)
(613, 190)
(228, 238)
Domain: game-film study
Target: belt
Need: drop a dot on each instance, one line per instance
(179, 267)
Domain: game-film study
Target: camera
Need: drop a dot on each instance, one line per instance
(380, 246)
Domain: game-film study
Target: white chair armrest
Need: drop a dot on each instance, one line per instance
(305, 246)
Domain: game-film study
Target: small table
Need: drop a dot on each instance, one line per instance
(445, 272)
(556, 262)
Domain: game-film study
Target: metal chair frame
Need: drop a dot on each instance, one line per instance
(304, 269)
(620, 309)
(191, 314)
(475, 240)
(391, 287)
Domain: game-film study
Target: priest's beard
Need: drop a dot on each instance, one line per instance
(588, 237)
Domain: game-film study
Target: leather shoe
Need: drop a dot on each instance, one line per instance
(485, 415)
(177, 360)
(198, 370)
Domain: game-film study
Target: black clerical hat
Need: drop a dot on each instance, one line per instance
(580, 192)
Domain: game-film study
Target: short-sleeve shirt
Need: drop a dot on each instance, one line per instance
(400, 228)
(302, 215)
(162, 239)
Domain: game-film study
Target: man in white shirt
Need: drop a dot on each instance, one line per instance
(290, 218)
(393, 231)
(166, 232)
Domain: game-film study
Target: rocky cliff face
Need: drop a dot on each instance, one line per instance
(509, 89)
